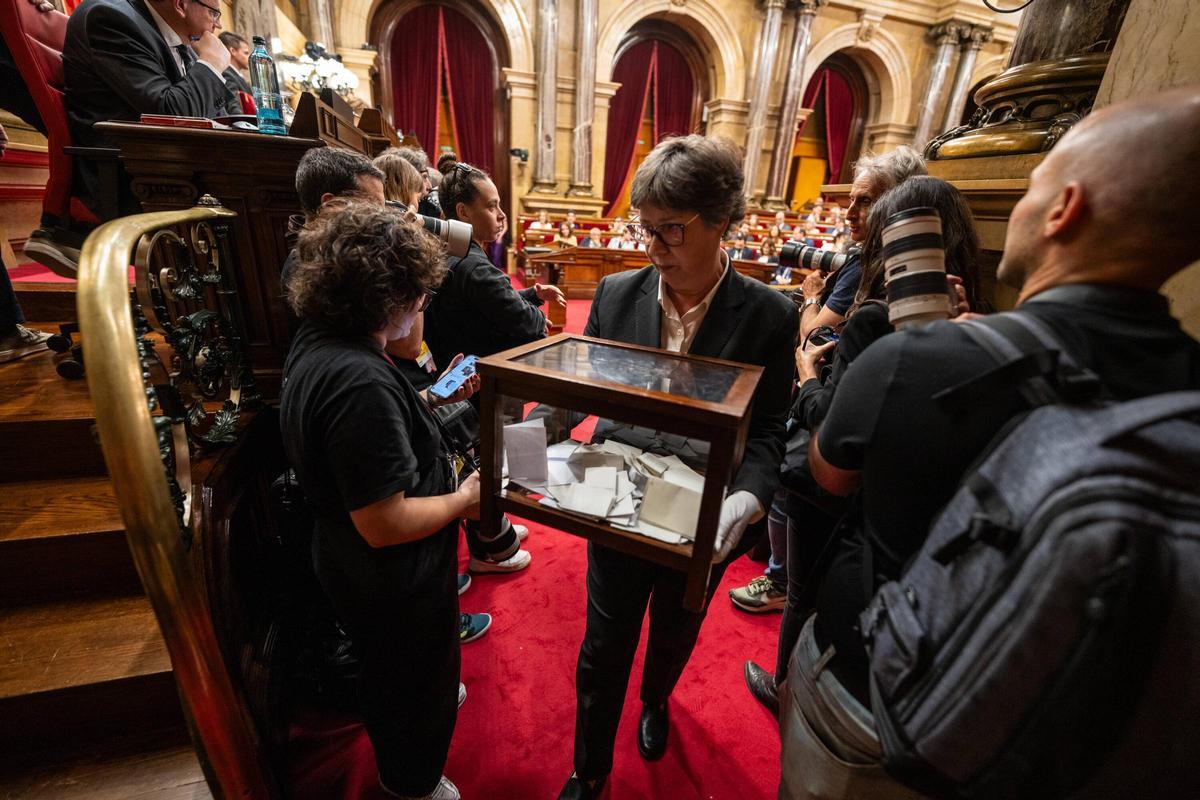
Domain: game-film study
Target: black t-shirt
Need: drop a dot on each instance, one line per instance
(861, 330)
(913, 451)
(356, 432)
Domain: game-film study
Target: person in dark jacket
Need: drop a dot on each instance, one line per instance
(126, 58)
(239, 62)
(477, 311)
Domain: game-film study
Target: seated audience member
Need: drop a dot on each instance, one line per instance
(688, 191)
(239, 61)
(571, 221)
(1088, 250)
(593, 239)
(768, 251)
(808, 518)
(873, 175)
(739, 251)
(811, 234)
(781, 221)
(616, 242)
(478, 312)
(542, 223)
(627, 241)
(617, 226)
(125, 58)
(375, 470)
(565, 238)
(816, 215)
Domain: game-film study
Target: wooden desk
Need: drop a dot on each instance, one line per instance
(577, 270)
(250, 173)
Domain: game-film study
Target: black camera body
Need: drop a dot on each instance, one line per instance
(796, 255)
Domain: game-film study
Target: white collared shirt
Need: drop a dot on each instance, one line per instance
(677, 332)
(173, 41)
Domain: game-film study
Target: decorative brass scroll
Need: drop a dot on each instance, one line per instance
(144, 410)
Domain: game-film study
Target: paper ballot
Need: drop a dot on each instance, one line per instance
(601, 477)
(591, 501)
(525, 451)
(670, 505)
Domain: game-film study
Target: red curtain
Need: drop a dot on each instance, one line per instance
(470, 86)
(839, 110)
(674, 93)
(831, 88)
(633, 72)
(417, 74)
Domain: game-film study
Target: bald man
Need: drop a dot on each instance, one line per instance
(1110, 215)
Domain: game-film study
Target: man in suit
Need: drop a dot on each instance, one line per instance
(688, 191)
(125, 58)
(239, 62)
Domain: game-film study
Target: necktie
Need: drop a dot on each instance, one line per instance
(186, 55)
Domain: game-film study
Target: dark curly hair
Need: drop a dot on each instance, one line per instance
(693, 173)
(360, 264)
(958, 235)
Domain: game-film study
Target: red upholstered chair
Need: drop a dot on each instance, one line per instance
(35, 39)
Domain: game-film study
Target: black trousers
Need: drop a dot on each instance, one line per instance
(809, 530)
(620, 587)
(407, 640)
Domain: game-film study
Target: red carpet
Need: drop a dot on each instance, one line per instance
(515, 733)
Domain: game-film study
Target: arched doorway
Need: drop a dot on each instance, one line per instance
(831, 138)
(440, 81)
(663, 85)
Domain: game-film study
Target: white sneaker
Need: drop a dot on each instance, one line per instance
(521, 531)
(22, 342)
(515, 563)
(445, 790)
(462, 694)
(62, 259)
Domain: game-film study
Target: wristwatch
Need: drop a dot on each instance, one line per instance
(811, 301)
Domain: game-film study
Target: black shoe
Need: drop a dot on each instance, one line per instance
(762, 685)
(577, 789)
(653, 726)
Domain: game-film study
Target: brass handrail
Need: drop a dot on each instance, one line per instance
(225, 740)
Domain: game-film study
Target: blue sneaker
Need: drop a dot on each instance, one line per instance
(472, 626)
(464, 583)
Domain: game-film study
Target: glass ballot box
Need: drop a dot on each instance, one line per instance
(629, 446)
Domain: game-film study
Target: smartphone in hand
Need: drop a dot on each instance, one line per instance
(453, 380)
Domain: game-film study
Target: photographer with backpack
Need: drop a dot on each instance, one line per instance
(916, 410)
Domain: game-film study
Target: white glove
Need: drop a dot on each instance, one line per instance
(739, 510)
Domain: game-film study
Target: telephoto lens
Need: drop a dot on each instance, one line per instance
(455, 234)
(796, 255)
(914, 264)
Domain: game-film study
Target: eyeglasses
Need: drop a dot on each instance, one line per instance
(670, 233)
(215, 13)
(425, 301)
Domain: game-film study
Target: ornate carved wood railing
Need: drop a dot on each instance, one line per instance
(169, 381)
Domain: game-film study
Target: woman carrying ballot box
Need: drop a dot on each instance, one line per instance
(689, 193)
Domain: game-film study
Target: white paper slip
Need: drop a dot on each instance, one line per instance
(683, 475)
(602, 477)
(623, 507)
(652, 531)
(591, 501)
(558, 473)
(562, 450)
(670, 505)
(525, 449)
(626, 451)
(588, 456)
(652, 464)
(624, 485)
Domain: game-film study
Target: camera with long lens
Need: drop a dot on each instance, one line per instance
(456, 235)
(795, 255)
(914, 264)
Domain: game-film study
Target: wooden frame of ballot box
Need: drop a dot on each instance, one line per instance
(723, 424)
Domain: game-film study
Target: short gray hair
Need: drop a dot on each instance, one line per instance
(413, 155)
(892, 168)
(693, 173)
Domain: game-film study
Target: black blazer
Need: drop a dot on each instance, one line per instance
(477, 312)
(746, 322)
(117, 66)
(234, 83)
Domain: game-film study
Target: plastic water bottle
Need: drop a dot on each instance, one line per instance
(265, 84)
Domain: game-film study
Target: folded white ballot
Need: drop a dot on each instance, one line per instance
(671, 505)
(591, 501)
(525, 452)
(601, 477)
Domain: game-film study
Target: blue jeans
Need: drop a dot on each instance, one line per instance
(10, 309)
(777, 533)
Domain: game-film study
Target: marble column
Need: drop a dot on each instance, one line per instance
(322, 24)
(976, 38)
(547, 91)
(768, 47)
(785, 134)
(585, 99)
(946, 36)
